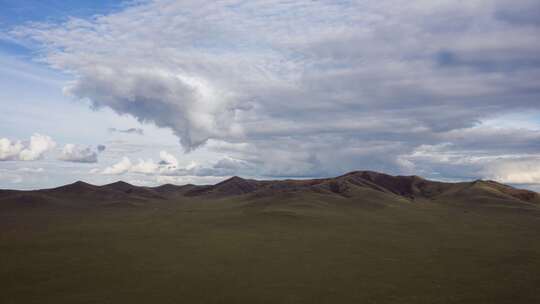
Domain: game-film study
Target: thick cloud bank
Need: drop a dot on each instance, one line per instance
(308, 88)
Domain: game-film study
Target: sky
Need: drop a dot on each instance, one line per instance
(161, 91)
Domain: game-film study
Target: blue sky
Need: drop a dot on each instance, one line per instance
(183, 91)
(16, 12)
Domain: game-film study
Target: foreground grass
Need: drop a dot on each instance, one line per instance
(310, 252)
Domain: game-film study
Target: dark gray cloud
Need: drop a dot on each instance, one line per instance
(523, 12)
(138, 131)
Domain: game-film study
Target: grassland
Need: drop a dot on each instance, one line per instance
(282, 249)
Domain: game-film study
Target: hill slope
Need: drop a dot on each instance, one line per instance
(353, 185)
(357, 186)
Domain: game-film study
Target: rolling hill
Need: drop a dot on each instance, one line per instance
(354, 186)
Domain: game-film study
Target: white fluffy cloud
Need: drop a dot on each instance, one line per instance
(78, 154)
(168, 166)
(9, 150)
(33, 149)
(145, 167)
(168, 163)
(121, 167)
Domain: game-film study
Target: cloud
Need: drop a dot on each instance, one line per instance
(94, 171)
(121, 167)
(312, 88)
(168, 159)
(39, 144)
(515, 171)
(183, 180)
(145, 167)
(480, 153)
(137, 131)
(225, 166)
(125, 165)
(168, 163)
(168, 166)
(9, 150)
(33, 149)
(78, 154)
(31, 170)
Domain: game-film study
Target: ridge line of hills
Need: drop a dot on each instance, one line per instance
(356, 185)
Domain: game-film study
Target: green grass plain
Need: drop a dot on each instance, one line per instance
(303, 249)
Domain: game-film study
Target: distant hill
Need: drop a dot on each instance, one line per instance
(359, 185)
(354, 186)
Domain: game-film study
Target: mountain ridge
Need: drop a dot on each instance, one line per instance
(354, 185)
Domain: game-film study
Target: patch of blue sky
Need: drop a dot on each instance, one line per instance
(16, 12)
(521, 120)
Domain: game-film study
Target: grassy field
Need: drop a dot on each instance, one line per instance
(283, 251)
